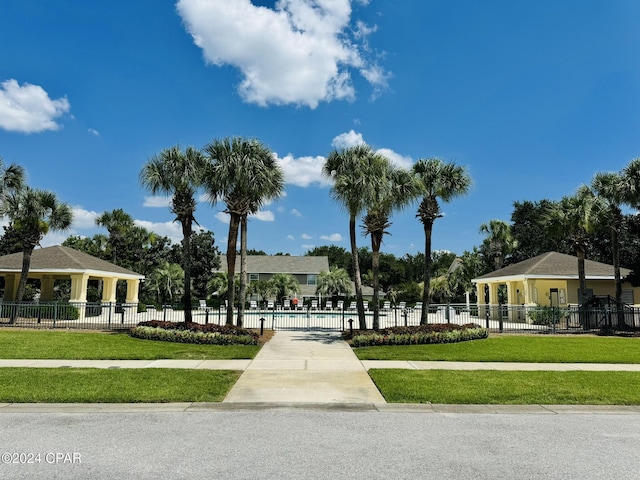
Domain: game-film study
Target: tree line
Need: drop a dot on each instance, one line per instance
(243, 174)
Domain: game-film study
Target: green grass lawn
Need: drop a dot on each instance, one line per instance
(508, 388)
(91, 385)
(516, 348)
(38, 344)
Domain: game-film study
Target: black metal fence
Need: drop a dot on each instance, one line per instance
(497, 318)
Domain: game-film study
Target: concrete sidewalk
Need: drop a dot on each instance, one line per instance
(305, 367)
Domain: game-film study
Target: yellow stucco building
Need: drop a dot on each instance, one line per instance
(550, 279)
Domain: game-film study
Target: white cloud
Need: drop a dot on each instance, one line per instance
(307, 246)
(264, 216)
(94, 132)
(334, 237)
(295, 212)
(173, 230)
(399, 160)
(83, 218)
(223, 217)
(297, 53)
(353, 138)
(348, 139)
(290, 237)
(53, 238)
(306, 236)
(303, 171)
(28, 108)
(157, 201)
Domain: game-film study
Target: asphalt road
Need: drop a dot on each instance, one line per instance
(301, 443)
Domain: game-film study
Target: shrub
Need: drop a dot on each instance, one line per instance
(418, 335)
(48, 311)
(544, 315)
(195, 333)
(191, 336)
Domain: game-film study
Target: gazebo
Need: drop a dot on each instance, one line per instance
(56, 263)
(550, 279)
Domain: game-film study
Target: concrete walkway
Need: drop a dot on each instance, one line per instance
(305, 367)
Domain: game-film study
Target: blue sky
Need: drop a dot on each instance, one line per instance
(532, 97)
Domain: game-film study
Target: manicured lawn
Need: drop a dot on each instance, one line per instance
(38, 344)
(91, 385)
(516, 348)
(508, 388)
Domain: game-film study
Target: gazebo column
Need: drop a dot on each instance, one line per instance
(513, 300)
(79, 292)
(109, 289)
(133, 287)
(482, 304)
(11, 281)
(46, 288)
(494, 302)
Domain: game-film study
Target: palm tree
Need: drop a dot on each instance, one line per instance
(245, 175)
(11, 178)
(574, 218)
(32, 214)
(118, 223)
(612, 188)
(283, 285)
(500, 241)
(444, 181)
(179, 174)
(334, 282)
(393, 189)
(348, 170)
(167, 281)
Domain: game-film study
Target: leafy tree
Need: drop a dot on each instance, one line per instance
(529, 232)
(499, 240)
(10, 241)
(253, 251)
(282, 285)
(338, 257)
(444, 181)
(118, 223)
(205, 259)
(178, 174)
(347, 168)
(95, 246)
(260, 288)
(32, 214)
(245, 175)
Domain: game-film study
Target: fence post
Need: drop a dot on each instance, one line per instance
(206, 316)
(486, 314)
(261, 326)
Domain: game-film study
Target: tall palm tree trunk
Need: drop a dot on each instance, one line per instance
(582, 282)
(22, 285)
(424, 314)
(356, 273)
(186, 266)
(376, 241)
(615, 248)
(231, 264)
(243, 269)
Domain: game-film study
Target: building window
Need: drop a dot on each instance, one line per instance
(312, 279)
(254, 277)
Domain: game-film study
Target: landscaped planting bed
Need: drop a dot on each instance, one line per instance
(416, 335)
(183, 332)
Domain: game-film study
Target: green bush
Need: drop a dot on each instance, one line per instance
(424, 334)
(61, 311)
(545, 315)
(189, 336)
